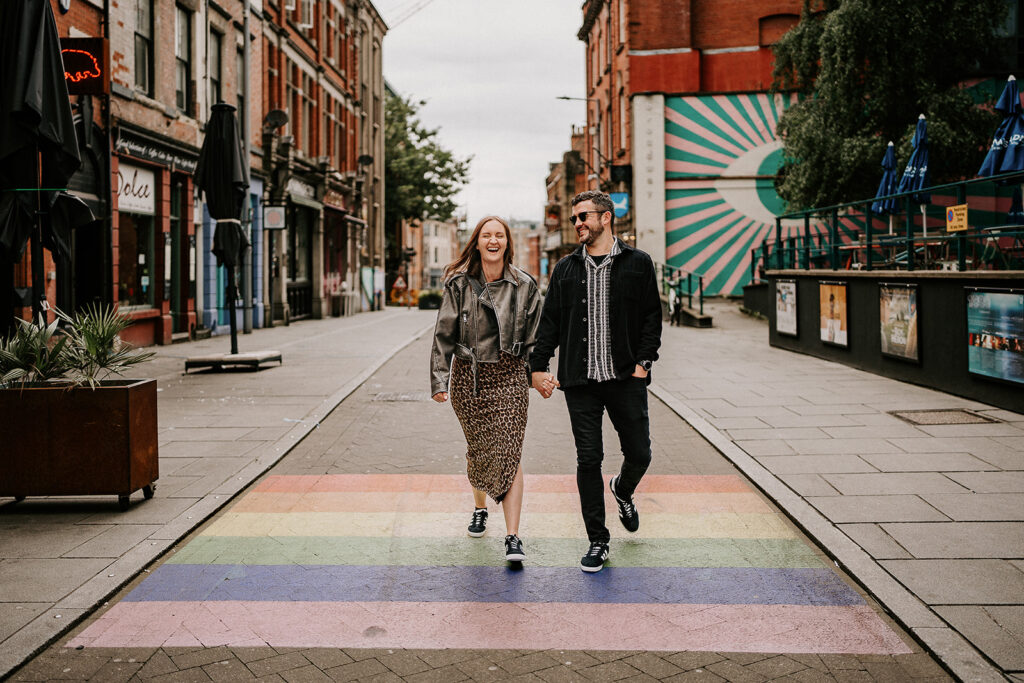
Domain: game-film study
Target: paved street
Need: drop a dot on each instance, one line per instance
(349, 561)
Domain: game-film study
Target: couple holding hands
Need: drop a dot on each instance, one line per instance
(494, 340)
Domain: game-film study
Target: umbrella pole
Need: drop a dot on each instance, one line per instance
(38, 286)
(231, 294)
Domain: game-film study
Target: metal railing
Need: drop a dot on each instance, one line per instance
(670, 277)
(851, 235)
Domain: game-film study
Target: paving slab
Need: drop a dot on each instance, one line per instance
(872, 465)
(60, 557)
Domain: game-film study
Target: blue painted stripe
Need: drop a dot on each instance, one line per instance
(332, 583)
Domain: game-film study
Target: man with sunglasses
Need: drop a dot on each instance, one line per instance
(602, 311)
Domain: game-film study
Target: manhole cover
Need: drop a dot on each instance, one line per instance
(941, 417)
(397, 396)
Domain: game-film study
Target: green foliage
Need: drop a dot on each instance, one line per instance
(429, 299)
(867, 69)
(86, 350)
(421, 178)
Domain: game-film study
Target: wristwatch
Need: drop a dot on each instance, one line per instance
(646, 365)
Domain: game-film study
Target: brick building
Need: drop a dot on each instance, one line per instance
(322, 66)
(680, 120)
(565, 179)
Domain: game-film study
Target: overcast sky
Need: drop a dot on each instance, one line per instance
(490, 72)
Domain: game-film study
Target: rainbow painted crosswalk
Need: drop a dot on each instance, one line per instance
(384, 561)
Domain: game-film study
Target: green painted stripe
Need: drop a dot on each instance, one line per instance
(683, 211)
(770, 127)
(741, 259)
(677, 130)
(679, 155)
(713, 258)
(682, 194)
(738, 103)
(683, 108)
(774, 553)
(714, 106)
(694, 249)
(681, 233)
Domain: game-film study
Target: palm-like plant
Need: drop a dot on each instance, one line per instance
(86, 350)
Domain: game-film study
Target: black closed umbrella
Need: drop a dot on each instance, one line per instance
(221, 175)
(38, 146)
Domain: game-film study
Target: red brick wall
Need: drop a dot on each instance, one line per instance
(734, 23)
(660, 24)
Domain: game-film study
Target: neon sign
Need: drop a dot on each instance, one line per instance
(69, 55)
(85, 65)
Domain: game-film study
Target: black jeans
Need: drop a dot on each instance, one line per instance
(626, 403)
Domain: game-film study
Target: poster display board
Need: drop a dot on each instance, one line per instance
(897, 320)
(832, 313)
(785, 307)
(995, 333)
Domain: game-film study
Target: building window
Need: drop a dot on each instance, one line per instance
(240, 82)
(622, 21)
(144, 46)
(216, 65)
(182, 58)
(341, 163)
(136, 259)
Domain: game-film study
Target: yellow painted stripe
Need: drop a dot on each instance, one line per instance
(447, 525)
(391, 501)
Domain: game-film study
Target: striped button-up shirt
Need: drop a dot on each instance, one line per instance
(599, 339)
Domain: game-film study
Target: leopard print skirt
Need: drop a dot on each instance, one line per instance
(494, 420)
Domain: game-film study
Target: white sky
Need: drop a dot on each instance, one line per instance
(490, 72)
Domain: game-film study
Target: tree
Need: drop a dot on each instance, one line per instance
(421, 178)
(867, 69)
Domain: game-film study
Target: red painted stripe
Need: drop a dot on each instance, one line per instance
(457, 483)
(533, 626)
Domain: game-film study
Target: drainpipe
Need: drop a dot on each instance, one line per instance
(247, 208)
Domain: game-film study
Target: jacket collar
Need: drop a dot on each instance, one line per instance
(509, 276)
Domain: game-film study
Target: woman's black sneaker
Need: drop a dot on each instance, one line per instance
(514, 549)
(595, 558)
(478, 525)
(628, 515)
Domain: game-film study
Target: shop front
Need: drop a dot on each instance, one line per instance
(302, 249)
(154, 244)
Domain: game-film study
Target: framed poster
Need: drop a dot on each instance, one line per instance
(995, 333)
(785, 307)
(832, 312)
(897, 320)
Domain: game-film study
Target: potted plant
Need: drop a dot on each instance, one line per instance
(71, 425)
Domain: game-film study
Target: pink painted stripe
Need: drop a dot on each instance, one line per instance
(534, 502)
(742, 272)
(702, 108)
(699, 150)
(702, 234)
(700, 131)
(685, 184)
(674, 166)
(690, 200)
(724, 259)
(752, 109)
(457, 483)
(697, 216)
(528, 626)
(737, 117)
(711, 259)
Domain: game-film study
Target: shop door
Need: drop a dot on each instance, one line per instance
(176, 260)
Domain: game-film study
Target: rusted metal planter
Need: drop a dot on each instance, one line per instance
(72, 441)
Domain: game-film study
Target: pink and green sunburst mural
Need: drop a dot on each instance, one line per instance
(721, 159)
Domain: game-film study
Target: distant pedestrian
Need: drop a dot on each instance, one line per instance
(602, 311)
(486, 327)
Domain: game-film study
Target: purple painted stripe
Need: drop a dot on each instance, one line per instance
(649, 585)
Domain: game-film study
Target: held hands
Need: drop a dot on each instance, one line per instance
(544, 383)
(440, 396)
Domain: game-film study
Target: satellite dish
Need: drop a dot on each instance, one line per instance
(274, 119)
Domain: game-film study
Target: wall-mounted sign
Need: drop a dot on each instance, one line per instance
(956, 218)
(142, 147)
(620, 200)
(301, 188)
(274, 217)
(136, 190)
(85, 65)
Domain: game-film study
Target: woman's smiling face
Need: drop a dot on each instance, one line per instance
(492, 242)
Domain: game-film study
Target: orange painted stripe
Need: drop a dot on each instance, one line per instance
(457, 483)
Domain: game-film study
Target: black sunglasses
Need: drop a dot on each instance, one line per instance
(582, 216)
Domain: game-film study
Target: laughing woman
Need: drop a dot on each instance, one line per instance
(488, 322)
